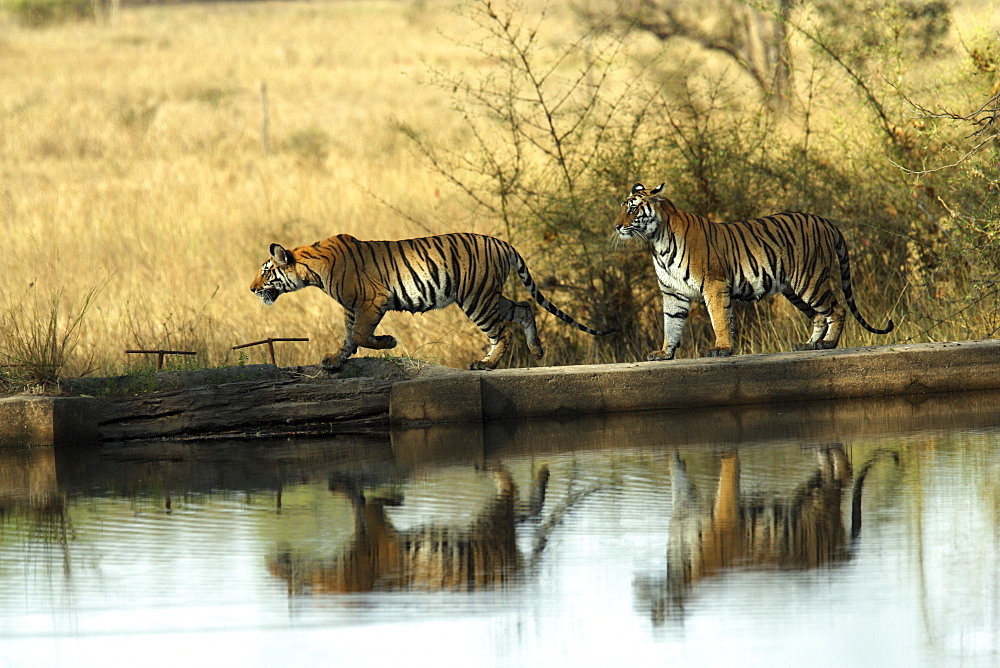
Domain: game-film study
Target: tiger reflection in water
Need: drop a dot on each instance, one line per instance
(804, 530)
(482, 555)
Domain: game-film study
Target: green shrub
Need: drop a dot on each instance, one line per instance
(310, 145)
(38, 13)
(558, 149)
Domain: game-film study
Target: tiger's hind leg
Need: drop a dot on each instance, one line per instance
(818, 322)
(489, 317)
(819, 330)
(827, 319)
(835, 326)
(499, 343)
(521, 314)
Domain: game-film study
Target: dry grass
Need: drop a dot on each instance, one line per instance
(132, 154)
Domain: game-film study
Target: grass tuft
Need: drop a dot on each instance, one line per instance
(39, 338)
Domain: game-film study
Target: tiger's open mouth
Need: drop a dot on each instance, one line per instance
(267, 295)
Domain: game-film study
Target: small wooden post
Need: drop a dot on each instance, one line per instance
(160, 354)
(270, 345)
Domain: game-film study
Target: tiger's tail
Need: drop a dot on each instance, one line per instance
(522, 272)
(840, 246)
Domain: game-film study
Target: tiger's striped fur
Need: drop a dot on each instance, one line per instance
(370, 278)
(755, 530)
(747, 260)
(482, 556)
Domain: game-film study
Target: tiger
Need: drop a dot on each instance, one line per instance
(483, 555)
(370, 278)
(747, 260)
(800, 531)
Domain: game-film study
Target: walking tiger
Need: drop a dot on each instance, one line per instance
(370, 278)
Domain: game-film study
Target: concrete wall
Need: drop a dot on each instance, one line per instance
(37, 420)
(563, 392)
(740, 380)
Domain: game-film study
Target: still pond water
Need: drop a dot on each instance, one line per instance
(855, 534)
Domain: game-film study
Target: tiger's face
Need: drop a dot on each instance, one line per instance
(638, 217)
(277, 276)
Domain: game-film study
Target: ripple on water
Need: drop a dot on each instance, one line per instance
(603, 564)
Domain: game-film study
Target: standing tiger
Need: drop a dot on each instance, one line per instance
(747, 260)
(370, 278)
(755, 530)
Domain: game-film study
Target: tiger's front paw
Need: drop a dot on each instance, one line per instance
(659, 356)
(718, 352)
(383, 342)
(480, 365)
(332, 363)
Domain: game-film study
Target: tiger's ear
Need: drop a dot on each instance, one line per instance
(281, 257)
(638, 188)
(657, 189)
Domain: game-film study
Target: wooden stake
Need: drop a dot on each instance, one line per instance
(270, 345)
(160, 354)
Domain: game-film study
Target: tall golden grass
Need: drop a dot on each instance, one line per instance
(133, 157)
(133, 154)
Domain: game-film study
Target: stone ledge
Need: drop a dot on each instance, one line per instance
(924, 368)
(305, 404)
(38, 420)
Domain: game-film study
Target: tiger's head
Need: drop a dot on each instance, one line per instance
(278, 275)
(640, 214)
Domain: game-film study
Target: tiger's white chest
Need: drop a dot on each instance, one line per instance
(671, 272)
(670, 278)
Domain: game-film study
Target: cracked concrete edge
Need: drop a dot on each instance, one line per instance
(454, 397)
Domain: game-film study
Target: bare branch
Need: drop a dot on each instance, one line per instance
(984, 119)
(753, 37)
(964, 158)
(877, 107)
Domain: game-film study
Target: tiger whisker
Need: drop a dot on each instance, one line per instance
(637, 238)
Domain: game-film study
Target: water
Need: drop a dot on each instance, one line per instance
(657, 539)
